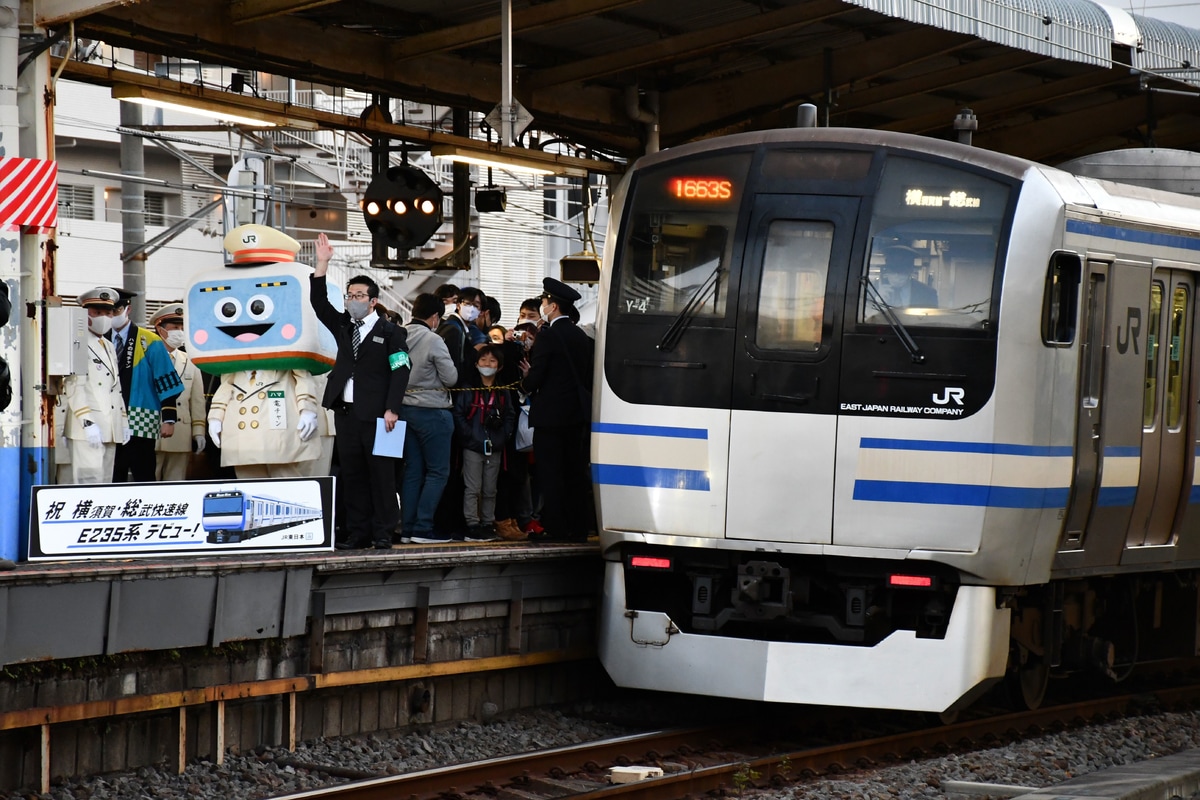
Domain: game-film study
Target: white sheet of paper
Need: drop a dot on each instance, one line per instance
(389, 444)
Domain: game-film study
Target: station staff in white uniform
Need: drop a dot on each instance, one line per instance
(96, 421)
(174, 453)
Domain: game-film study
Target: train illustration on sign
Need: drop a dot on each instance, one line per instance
(233, 516)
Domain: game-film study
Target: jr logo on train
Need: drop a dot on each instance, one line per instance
(236, 516)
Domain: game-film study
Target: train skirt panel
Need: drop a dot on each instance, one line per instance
(645, 649)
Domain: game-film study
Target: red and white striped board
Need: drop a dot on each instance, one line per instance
(28, 194)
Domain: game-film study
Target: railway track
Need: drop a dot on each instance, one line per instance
(700, 760)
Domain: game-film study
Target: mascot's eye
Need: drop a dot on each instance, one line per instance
(260, 307)
(228, 309)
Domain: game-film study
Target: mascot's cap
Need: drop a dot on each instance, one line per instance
(101, 297)
(171, 312)
(258, 244)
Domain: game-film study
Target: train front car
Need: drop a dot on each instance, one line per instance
(826, 439)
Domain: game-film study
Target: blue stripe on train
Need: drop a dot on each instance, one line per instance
(650, 430)
(993, 448)
(959, 494)
(965, 494)
(1131, 235)
(650, 477)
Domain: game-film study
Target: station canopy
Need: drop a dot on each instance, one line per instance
(1048, 80)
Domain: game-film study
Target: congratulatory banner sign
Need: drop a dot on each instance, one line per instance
(123, 520)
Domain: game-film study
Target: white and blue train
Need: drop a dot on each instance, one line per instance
(881, 420)
(232, 516)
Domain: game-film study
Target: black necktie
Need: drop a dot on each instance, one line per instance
(356, 337)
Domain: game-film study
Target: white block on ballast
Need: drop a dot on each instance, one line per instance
(633, 774)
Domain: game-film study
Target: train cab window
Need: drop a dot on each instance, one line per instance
(791, 292)
(1150, 399)
(934, 235)
(1060, 302)
(679, 238)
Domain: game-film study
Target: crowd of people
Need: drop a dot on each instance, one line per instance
(495, 419)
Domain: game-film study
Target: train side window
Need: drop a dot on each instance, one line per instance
(791, 293)
(1177, 357)
(1060, 303)
(1150, 399)
(1093, 343)
(678, 246)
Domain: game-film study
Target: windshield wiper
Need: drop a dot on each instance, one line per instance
(897, 326)
(685, 316)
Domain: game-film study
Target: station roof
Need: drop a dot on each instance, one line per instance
(1048, 80)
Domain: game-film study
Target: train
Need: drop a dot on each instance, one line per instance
(231, 516)
(889, 421)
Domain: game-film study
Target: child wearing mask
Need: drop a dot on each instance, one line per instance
(485, 417)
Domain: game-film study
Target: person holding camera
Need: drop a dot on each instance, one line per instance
(485, 417)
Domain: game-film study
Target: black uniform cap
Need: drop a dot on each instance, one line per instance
(559, 290)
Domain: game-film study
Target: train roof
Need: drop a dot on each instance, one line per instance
(854, 137)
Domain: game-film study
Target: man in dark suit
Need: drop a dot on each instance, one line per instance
(367, 382)
(559, 380)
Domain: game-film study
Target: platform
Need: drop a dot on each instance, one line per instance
(114, 664)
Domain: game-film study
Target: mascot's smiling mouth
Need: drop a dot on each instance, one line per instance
(245, 333)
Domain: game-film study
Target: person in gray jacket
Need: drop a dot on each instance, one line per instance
(430, 425)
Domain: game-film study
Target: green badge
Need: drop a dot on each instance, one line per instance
(398, 360)
(273, 393)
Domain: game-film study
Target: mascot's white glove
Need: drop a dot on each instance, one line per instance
(214, 430)
(308, 425)
(200, 442)
(127, 435)
(94, 437)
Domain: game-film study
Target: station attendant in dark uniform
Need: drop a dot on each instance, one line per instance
(367, 383)
(558, 379)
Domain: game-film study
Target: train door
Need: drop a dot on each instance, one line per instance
(1108, 439)
(1090, 408)
(783, 425)
(1166, 465)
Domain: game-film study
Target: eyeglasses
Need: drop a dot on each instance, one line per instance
(357, 296)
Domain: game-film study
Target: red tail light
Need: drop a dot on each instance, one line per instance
(917, 581)
(649, 562)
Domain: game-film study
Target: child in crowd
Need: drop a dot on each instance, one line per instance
(485, 418)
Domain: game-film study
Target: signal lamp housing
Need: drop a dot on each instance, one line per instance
(489, 201)
(389, 200)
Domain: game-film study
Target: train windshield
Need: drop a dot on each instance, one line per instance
(223, 505)
(679, 240)
(933, 245)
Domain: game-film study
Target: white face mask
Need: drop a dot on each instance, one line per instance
(120, 318)
(450, 309)
(469, 313)
(99, 325)
(487, 372)
(544, 313)
(175, 339)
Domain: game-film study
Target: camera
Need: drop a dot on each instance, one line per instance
(518, 335)
(493, 420)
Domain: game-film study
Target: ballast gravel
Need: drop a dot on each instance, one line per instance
(270, 772)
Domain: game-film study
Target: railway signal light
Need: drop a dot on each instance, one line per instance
(402, 207)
